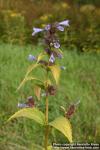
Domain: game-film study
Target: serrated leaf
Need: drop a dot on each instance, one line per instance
(31, 113)
(63, 125)
(56, 72)
(37, 91)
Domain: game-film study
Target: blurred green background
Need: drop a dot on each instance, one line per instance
(80, 80)
(18, 17)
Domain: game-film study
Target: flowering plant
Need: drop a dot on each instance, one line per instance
(47, 61)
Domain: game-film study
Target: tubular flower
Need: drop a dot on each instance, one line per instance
(29, 103)
(60, 28)
(56, 45)
(52, 58)
(64, 23)
(31, 58)
(36, 30)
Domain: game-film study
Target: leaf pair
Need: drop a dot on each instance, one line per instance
(61, 123)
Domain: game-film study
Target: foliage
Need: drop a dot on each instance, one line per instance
(80, 80)
(83, 35)
(12, 27)
(47, 61)
(30, 113)
(65, 128)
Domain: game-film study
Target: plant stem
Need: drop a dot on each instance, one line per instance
(46, 113)
(46, 116)
(46, 137)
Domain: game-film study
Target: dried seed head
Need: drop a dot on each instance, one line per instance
(70, 112)
(51, 90)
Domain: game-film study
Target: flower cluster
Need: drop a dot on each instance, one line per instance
(52, 49)
(51, 40)
(29, 103)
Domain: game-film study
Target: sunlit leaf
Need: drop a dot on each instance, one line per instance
(40, 57)
(56, 72)
(37, 91)
(63, 125)
(31, 113)
(47, 82)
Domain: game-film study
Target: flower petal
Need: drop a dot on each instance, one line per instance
(36, 30)
(64, 23)
(60, 56)
(60, 28)
(22, 105)
(52, 58)
(31, 57)
(56, 45)
(48, 27)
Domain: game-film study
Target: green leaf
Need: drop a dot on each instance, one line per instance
(63, 125)
(56, 72)
(31, 113)
(27, 79)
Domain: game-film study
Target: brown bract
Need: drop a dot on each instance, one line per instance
(51, 89)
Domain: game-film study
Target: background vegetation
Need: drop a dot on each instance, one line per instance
(18, 18)
(80, 80)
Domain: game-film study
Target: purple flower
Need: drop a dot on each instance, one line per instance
(52, 58)
(48, 51)
(31, 58)
(48, 27)
(28, 103)
(60, 56)
(63, 67)
(22, 105)
(36, 30)
(56, 45)
(64, 23)
(60, 28)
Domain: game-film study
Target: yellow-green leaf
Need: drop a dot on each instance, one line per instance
(40, 57)
(31, 113)
(37, 91)
(56, 72)
(63, 125)
(47, 82)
